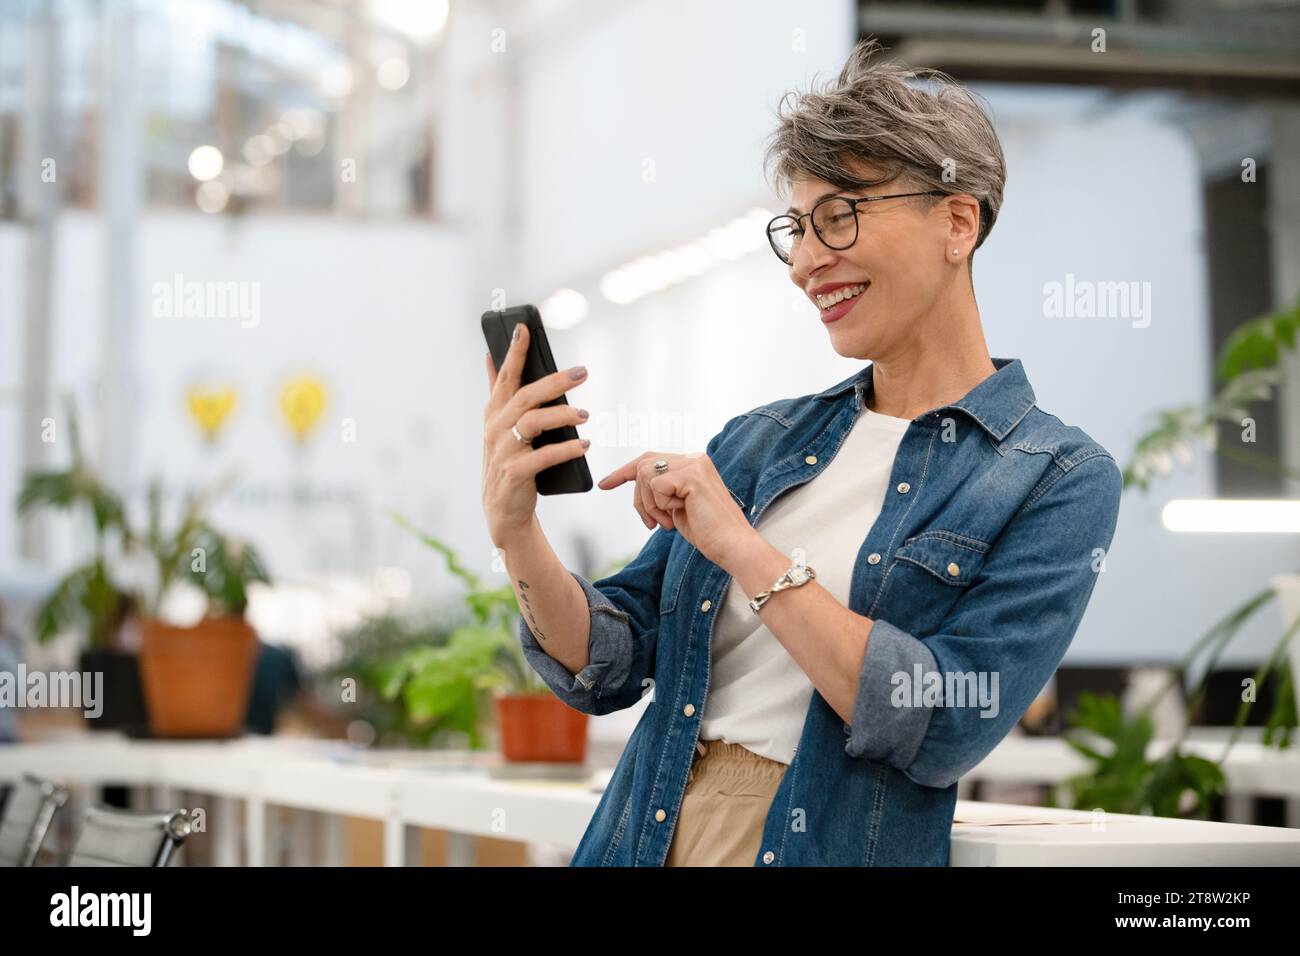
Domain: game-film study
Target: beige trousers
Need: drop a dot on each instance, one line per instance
(727, 797)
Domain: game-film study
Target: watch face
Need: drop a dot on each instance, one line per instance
(799, 575)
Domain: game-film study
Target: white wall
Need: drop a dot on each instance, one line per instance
(678, 91)
(376, 310)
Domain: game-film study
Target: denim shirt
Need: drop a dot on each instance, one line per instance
(976, 574)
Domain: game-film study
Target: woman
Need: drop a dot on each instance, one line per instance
(852, 596)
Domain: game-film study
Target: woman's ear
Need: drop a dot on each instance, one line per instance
(963, 224)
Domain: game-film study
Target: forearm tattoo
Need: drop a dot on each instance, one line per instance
(528, 610)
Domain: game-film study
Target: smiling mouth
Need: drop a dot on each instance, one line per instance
(832, 299)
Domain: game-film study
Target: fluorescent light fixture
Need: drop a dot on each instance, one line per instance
(721, 242)
(302, 122)
(670, 266)
(420, 20)
(205, 163)
(1223, 516)
(618, 286)
(393, 73)
(336, 81)
(259, 150)
(212, 196)
(564, 308)
(657, 271)
(695, 258)
(647, 274)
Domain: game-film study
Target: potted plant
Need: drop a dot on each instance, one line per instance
(197, 678)
(370, 657)
(87, 599)
(1122, 778)
(484, 658)
(185, 681)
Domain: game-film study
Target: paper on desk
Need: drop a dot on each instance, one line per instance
(1000, 815)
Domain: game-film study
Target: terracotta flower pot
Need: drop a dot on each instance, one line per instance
(197, 679)
(540, 728)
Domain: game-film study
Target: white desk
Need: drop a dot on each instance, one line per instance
(992, 834)
(431, 789)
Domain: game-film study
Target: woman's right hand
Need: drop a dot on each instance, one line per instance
(510, 467)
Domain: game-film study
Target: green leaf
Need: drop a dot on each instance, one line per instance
(453, 561)
(87, 599)
(1259, 343)
(1248, 370)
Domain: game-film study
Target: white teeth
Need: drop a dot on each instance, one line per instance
(839, 295)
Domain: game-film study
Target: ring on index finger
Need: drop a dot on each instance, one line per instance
(661, 465)
(514, 430)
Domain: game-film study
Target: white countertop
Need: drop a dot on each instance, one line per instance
(457, 791)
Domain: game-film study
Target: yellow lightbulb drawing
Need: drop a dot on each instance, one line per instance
(210, 408)
(302, 401)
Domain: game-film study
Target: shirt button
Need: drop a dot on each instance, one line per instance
(904, 487)
(688, 710)
(660, 816)
(953, 570)
(769, 856)
(873, 558)
(810, 460)
(753, 508)
(706, 605)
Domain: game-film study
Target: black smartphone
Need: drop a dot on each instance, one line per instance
(568, 477)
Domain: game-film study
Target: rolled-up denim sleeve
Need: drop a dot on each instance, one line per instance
(1011, 629)
(609, 656)
(624, 614)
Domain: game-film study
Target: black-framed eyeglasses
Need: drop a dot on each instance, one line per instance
(834, 219)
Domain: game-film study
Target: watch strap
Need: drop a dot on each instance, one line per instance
(793, 577)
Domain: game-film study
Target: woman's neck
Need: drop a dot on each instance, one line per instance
(934, 370)
(894, 393)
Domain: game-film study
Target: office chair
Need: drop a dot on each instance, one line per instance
(115, 837)
(28, 813)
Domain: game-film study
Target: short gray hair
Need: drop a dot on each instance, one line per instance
(900, 121)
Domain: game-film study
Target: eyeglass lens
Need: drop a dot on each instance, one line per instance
(834, 220)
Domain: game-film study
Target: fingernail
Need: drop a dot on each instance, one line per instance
(514, 336)
(577, 372)
(586, 443)
(583, 414)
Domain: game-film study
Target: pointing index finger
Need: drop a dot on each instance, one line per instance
(621, 474)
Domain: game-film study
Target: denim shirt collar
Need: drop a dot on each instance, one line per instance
(997, 404)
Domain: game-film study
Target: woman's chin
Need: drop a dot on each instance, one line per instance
(851, 341)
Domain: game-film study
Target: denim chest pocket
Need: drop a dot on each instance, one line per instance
(930, 571)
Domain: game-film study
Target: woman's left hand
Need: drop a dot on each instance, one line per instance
(691, 497)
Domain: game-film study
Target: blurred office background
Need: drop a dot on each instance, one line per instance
(371, 175)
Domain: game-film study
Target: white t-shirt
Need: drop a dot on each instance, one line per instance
(758, 696)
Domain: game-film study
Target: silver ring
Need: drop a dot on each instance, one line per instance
(661, 465)
(518, 437)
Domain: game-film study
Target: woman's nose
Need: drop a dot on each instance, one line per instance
(809, 256)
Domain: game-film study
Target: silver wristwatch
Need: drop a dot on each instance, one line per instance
(794, 576)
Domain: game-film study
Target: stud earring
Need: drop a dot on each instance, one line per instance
(956, 252)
